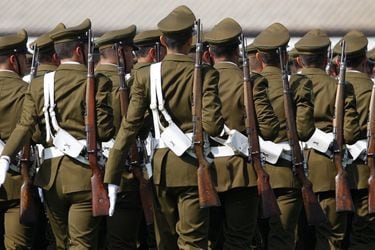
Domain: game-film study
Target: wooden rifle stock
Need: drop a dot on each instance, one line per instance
(344, 202)
(371, 153)
(100, 201)
(314, 213)
(29, 198)
(207, 194)
(145, 190)
(268, 203)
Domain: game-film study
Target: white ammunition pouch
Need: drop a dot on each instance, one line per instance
(235, 144)
(272, 152)
(321, 142)
(171, 136)
(358, 150)
(64, 143)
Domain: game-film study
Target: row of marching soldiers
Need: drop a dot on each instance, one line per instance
(45, 122)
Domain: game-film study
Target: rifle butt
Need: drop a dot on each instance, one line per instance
(29, 204)
(100, 200)
(268, 202)
(208, 196)
(145, 193)
(314, 212)
(371, 195)
(344, 202)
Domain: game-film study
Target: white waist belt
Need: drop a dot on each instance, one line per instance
(53, 152)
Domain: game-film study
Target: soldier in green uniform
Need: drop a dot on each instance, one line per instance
(65, 179)
(12, 68)
(123, 225)
(363, 224)
(254, 64)
(312, 57)
(236, 178)
(175, 177)
(285, 185)
(371, 63)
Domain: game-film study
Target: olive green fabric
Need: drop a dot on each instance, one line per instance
(235, 171)
(44, 42)
(281, 175)
(12, 91)
(250, 49)
(123, 36)
(15, 43)
(330, 235)
(314, 41)
(274, 36)
(358, 172)
(76, 33)
(180, 20)
(177, 75)
(283, 227)
(356, 43)
(293, 53)
(147, 38)
(371, 55)
(128, 182)
(227, 31)
(321, 169)
(363, 224)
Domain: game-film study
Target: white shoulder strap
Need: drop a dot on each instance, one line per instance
(52, 105)
(155, 77)
(47, 79)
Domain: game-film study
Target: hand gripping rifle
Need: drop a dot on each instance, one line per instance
(269, 206)
(100, 201)
(29, 198)
(344, 202)
(314, 213)
(371, 153)
(145, 190)
(207, 194)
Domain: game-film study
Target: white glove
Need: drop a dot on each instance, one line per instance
(40, 192)
(4, 166)
(112, 194)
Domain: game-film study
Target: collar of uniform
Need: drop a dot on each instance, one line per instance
(69, 66)
(9, 74)
(106, 67)
(178, 57)
(225, 65)
(46, 67)
(357, 74)
(271, 70)
(140, 65)
(312, 71)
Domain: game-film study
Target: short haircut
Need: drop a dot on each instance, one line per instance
(223, 50)
(3, 58)
(142, 51)
(354, 61)
(313, 60)
(176, 42)
(270, 57)
(45, 56)
(66, 49)
(108, 52)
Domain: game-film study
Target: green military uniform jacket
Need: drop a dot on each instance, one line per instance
(281, 175)
(12, 93)
(70, 89)
(177, 81)
(128, 182)
(235, 171)
(321, 169)
(362, 84)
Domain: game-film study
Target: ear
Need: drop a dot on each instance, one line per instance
(55, 59)
(162, 41)
(12, 60)
(299, 61)
(258, 57)
(152, 53)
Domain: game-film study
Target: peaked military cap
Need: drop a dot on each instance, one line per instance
(356, 43)
(293, 53)
(226, 32)
(250, 49)
(179, 21)
(274, 36)
(44, 42)
(76, 33)
(123, 36)
(314, 41)
(15, 43)
(149, 37)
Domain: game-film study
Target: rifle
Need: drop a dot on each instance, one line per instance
(207, 194)
(29, 198)
(371, 153)
(100, 201)
(314, 213)
(268, 203)
(145, 190)
(329, 60)
(344, 200)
